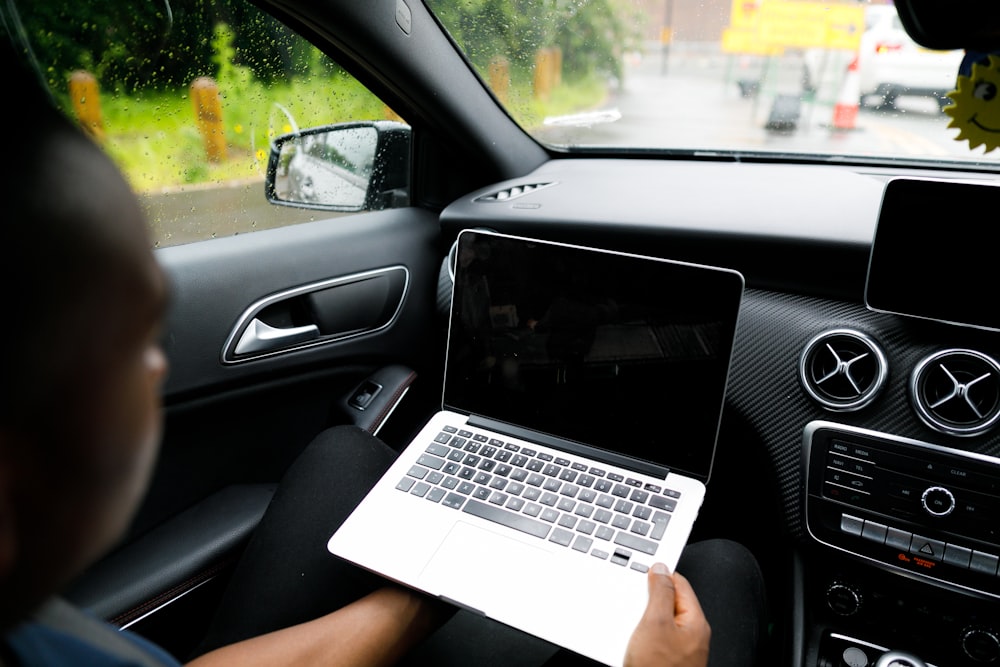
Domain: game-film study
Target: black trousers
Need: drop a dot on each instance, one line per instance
(286, 575)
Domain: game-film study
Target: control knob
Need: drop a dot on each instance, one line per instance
(899, 659)
(981, 644)
(844, 599)
(938, 501)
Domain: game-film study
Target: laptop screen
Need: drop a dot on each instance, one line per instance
(624, 353)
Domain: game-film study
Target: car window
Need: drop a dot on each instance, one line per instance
(810, 80)
(187, 98)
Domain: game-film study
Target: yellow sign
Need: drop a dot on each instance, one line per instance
(735, 40)
(765, 25)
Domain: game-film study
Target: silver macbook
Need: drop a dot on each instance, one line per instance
(583, 391)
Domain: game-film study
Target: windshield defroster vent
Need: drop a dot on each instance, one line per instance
(957, 392)
(842, 369)
(513, 192)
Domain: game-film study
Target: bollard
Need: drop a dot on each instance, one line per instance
(543, 74)
(499, 75)
(208, 114)
(83, 92)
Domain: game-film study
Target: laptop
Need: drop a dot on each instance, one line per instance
(583, 392)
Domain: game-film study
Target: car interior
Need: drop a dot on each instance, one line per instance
(858, 456)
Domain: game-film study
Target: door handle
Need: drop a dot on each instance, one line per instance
(262, 337)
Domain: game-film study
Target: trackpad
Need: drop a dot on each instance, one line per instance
(476, 568)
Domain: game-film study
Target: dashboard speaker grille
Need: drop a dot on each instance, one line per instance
(957, 392)
(843, 370)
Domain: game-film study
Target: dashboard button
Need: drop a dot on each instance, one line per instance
(984, 562)
(851, 525)
(874, 532)
(927, 548)
(849, 480)
(898, 539)
(957, 556)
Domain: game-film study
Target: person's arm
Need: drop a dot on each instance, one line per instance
(673, 631)
(375, 630)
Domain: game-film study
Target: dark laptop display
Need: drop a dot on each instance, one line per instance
(625, 355)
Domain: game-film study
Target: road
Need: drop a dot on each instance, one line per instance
(694, 102)
(197, 213)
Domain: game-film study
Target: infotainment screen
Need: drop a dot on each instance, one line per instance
(934, 254)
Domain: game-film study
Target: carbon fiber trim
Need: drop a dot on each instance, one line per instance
(764, 387)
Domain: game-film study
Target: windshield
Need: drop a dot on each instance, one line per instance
(829, 79)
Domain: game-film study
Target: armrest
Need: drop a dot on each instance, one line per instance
(173, 558)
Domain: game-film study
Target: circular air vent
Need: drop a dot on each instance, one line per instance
(843, 369)
(957, 392)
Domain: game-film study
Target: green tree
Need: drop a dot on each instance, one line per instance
(592, 34)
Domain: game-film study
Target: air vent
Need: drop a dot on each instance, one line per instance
(842, 369)
(957, 392)
(513, 192)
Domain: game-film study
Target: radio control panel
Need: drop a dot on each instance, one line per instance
(922, 508)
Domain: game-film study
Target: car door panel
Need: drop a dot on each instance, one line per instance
(215, 282)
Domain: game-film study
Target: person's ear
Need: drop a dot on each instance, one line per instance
(8, 518)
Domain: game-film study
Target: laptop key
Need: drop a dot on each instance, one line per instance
(561, 537)
(405, 484)
(430, 461)
(635, 542)
(437, 450)
(604, 533)
(660, 521)
(505, 518)
(661, 503)
(582, 543)
(453, 500)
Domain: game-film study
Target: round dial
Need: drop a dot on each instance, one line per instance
(844, 599)
(938, 501)
(981, 644)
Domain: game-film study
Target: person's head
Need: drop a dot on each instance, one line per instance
(80, 364)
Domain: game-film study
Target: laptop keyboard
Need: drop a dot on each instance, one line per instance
(570, 503)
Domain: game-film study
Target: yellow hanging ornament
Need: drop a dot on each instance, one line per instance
(976, 106)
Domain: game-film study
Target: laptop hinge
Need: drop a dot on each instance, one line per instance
(603, 455)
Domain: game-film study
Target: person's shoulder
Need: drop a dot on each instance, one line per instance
(62, 635)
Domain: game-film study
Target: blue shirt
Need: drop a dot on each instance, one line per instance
(33, 644)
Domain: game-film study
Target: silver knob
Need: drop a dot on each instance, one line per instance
(938, 501)
(899, 659)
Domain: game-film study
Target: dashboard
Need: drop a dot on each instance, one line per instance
(865, 429)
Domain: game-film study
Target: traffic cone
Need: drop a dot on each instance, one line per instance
(845, 111)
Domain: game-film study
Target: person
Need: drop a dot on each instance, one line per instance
(81, 369)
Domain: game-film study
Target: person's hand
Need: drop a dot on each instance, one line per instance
(673, 631)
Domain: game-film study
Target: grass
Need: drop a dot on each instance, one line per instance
(154, 137)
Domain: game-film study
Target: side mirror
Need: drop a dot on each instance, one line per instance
(344, 167)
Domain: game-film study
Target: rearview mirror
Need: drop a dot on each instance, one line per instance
(345, 167)
(973, 25)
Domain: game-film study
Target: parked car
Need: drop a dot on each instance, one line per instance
(858, 455)
(889, 64)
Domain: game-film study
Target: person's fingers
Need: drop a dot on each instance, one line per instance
(660, 606)
(686, 605)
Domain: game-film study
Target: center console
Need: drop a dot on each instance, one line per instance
(908, 553)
